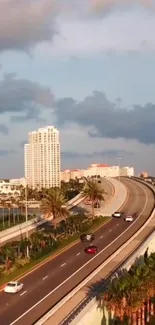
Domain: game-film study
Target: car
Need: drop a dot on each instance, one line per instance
(117, 214)
(87, 237)
(129, 218)
(92, 249)
(13, 287)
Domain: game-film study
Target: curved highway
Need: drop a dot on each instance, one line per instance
(45, 286)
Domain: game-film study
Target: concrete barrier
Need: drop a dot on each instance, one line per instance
(78, 319)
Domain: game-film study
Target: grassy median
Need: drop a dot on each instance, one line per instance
(66, 242)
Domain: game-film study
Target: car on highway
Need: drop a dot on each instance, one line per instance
(87, 237)
(117, 214)
(129, 218)
(92, 249)
(13, 287)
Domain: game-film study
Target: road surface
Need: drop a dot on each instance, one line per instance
(49, 283)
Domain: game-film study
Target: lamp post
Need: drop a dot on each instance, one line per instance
(118, 159)
(26, 218)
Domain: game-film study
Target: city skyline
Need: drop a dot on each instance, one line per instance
(89, 70)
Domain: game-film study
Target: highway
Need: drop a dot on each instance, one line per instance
(49, 283)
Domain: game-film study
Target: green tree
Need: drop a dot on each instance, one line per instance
(54, 204)
(93, 192)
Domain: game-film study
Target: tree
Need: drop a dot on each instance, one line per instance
(53, 204)
(93, 192)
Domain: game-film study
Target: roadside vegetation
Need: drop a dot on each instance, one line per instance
(62, 230)
(12, 209)
(129, 297)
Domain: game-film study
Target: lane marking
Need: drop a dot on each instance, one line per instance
(110, 230)
(117, 224)
(84, 265)
(23, 293)
(63, 264)
(101, 237)
(77, 254)
(45, 277)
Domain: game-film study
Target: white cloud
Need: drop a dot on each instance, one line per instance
(118, 32)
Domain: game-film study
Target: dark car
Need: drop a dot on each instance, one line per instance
(87, 237)
(117, 214)
(92, 249)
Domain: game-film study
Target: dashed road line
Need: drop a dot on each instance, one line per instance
(101, 237)
(63, 264)
(45, 277)
(77, 254)
(23, 293)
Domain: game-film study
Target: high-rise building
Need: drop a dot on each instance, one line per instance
(42, 158)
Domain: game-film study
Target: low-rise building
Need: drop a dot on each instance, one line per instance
(102, 170)
(10, 187)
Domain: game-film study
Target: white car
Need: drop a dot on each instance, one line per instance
(129, 218)
(13, 287)
(117, 214)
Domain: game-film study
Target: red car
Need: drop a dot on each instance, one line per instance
(91, 249)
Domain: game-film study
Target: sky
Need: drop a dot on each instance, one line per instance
(88, 68)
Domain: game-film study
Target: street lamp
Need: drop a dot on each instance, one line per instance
(26, 218)
(119, 158)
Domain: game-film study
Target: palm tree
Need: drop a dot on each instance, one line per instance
(53, 204)
(93, 192)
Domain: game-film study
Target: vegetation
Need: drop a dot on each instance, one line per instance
(130, 296)
(93, 192)
(63, 229)
(42, 243)
(54, 203)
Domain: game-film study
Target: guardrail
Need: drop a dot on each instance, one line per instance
(97, 270)
(35, 222)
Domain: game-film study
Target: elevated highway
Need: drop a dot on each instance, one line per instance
(45, 286)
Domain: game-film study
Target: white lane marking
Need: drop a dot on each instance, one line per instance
(45, 277)
(110, 230)
(117, 224)
(84, 265)
(23, 293)
(77, 254)
(101, 237)
(63, 264)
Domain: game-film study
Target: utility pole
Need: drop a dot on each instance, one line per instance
(118, 159)
(26, 218)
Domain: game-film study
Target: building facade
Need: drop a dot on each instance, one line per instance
(11, 187)
(101, 170)
(42, 158)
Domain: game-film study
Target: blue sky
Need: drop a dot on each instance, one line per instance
(63, 51)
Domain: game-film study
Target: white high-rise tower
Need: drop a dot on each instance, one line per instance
(42, 158)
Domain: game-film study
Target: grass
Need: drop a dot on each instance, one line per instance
(66, 242)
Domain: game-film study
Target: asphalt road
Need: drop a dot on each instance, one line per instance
(48, 284)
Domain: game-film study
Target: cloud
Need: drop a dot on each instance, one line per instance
(3, 129)
(108, 5)
(5, 152)
(105, 120)
(21, 96)
(109, 153)
(26, 23)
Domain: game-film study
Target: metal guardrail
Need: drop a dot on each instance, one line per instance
(69, 318)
